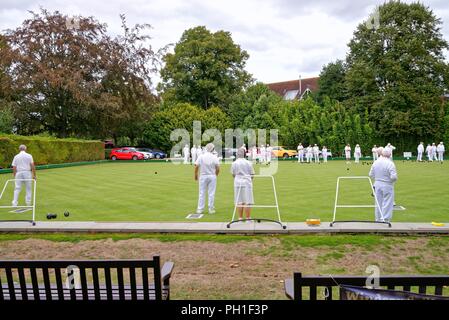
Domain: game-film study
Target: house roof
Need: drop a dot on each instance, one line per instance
(289, 87)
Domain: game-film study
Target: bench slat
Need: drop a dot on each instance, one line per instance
(132, 279)
(107, 276)
(47, 283)
(83, 280)
(120, 283)
(23, 285)
(34, 283)
(10, 280)
(96, 283)
(59, 283)
(145, 284)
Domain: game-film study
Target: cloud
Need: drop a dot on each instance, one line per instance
(284, 38)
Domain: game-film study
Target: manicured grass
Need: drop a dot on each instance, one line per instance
(138, 191)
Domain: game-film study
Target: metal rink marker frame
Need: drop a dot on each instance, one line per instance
(336, 205)
(32, 207)
(276, 205)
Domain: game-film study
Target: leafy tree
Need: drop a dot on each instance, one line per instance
(331, 81)
(397, 73)
(72, 79)
(205, 69)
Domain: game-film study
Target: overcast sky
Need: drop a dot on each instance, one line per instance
(284, 38)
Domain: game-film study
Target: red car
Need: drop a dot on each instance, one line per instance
(125, 153)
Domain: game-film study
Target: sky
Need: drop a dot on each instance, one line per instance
(285, 39)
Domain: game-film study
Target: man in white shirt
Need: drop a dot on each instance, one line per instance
(324, 153)
(242, 170)
(374, 152)
(357, 153)
(23, 168)
(440, 150)
(268, 152)
(429, 152)
(316, 153)
(420, 150)
(434, 152)
(263, 154)
(209, 168)
(391, 148)
(300, 153)
(383, 171)
(186, 154)
(193, 154)
(254, 154)
(348, 153)
(309, 153)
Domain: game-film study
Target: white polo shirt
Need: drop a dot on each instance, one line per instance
(208, 163)
(22, 161)
(242, 169)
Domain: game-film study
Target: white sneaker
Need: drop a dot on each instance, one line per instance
(199, 212)
(14, 204)
(211, 211)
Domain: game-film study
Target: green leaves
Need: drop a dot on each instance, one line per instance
(205, 69)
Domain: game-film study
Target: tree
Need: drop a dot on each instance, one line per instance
(205, 69)
(397, 73)
(331, 81)
(72, 79)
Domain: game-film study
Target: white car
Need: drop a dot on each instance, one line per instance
(146, 155)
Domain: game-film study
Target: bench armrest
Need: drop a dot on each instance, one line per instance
(289, 289)
(166, 271)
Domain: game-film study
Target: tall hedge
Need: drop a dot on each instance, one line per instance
(49, 150)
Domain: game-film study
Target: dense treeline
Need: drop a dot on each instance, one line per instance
(67, 77)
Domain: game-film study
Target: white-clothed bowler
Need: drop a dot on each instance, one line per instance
(207, 164)
(22, 162)
(383, 171)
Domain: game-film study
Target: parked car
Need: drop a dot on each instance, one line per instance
(280, 152)
(147, 155)
(158, 154)
(126, 153)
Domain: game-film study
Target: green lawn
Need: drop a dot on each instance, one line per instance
(143, 191)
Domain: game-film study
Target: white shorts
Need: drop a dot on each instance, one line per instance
(243, 195)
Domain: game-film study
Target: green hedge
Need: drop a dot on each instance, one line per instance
(49, 150)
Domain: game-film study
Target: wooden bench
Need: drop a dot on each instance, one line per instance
(97, 280)
(294, 287)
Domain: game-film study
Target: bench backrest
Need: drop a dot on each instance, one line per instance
(96, 280)
(405, 283)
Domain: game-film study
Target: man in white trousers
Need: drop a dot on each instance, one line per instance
(242, 170)
(357, 153)
(193, 154)
(300, 153)
(263, 154)
(434, 152)
(186, 154)
(23, 168)
(268, 153)
(384, 173)
(309, 154)
(390, 148)
(324, 153)
(209, 167)
(420, 150)
(440, 150)
(316, 153)
(348, 153)
(374, 152)
(429, 152)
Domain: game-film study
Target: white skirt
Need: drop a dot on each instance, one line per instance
(243, 195)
